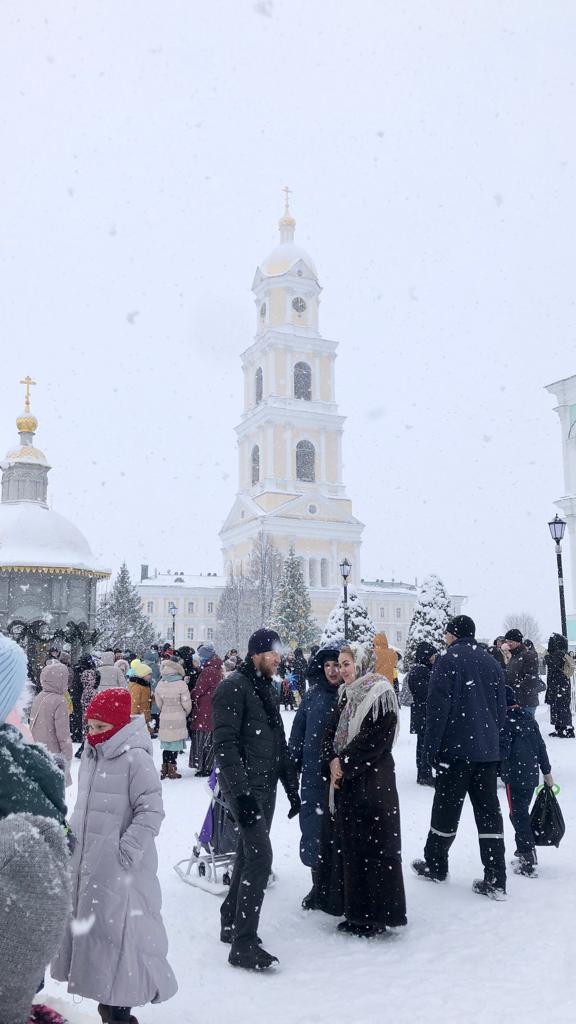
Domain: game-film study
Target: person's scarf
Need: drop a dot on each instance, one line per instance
(370, 693)
(264, 691)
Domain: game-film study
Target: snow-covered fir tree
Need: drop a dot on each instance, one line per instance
(120, 620)
(361, 628)
(292, 616)
(430, 618)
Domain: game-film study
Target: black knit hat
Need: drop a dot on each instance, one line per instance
(461, 626)
(515, 635)
(262, 641)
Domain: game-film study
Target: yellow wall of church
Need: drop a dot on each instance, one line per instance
(331, 449)
(279, 452)
(277, 302)
(326, 379)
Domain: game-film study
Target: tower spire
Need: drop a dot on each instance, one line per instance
(287, 222)
(28, 382)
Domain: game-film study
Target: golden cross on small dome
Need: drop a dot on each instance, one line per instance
(28, 382)
(287, 193)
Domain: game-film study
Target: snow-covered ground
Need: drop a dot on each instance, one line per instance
(461, 959)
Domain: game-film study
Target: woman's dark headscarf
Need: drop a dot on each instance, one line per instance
(315, 670)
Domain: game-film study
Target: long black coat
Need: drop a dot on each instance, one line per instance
(418, 679)
(558, 691)
(360, 868)
(305, 746)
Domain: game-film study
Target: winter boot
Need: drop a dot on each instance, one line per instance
(310, 902)
(164, 771)
(172, 772)
(252, 958)
(362, 931)
(421, 868)
(104, 1013)
(486, 888)
(526, 865)
(226, 935)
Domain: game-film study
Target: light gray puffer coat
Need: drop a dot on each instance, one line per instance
(117, 951)
(49, 714)
(111, 673)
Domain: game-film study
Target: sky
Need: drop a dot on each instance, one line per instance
(430, 152)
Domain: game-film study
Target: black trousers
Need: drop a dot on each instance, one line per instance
(120, 1013)
(454, 779)
(169, 757)
(252, 867)
(519, 798)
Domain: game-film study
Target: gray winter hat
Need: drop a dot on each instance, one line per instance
(34, 907)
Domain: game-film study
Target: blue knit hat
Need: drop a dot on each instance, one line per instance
(13, 675)
(206, 652)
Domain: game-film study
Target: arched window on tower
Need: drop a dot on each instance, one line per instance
(258, 385)
(303, 382)
(255, 464)
(306, 461)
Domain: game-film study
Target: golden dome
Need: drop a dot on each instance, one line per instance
(27, 423)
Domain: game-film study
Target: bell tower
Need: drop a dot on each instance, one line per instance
(290, 433)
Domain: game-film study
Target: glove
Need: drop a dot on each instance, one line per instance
(248, 810)
(295, 804)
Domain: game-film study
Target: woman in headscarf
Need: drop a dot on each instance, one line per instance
(360, 867)
(560, 667)
(305, 745)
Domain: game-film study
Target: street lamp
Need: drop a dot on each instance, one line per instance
(557, 527)
(173, 609)
(345, 570)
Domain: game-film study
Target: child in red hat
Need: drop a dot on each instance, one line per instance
(116, 952)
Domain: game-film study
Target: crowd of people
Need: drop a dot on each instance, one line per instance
(99, 923)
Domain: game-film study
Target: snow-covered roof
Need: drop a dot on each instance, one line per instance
(33, 536)
(283, 257)
(178, 579)
(387, 586)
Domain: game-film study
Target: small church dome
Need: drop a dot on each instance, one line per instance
(283, 257)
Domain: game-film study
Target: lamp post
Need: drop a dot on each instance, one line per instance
(173, 609)
(345, 570)
(557, 527)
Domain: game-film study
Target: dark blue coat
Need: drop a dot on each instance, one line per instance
(522, 750)
(305, 745)
(466, 704)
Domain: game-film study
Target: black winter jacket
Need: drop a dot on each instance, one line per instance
(522, 676)
(522, 750)
(466, 704)
(30, 780)
(251, 756)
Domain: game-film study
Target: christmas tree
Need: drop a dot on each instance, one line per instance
(430, 618)
(361, 629)
(120, 620)
(292, 609)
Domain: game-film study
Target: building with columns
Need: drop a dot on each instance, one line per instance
(564, 392)
(290, 482)
(47, 570)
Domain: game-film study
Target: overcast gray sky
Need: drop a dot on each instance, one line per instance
(430, 149)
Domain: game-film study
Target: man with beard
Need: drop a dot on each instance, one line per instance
(251, 757)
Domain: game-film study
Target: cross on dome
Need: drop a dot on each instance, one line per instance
(28, 382)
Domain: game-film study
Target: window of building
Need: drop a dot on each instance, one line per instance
(210, 607)
(313, 572)
(324, 573)
(255, 464)
(303, 382)
(382, 613)
(399, 636)
(150, 607)
(209, 634)
(306, 461)
(258, 385)
(398, 613)
(190, 607)
(190, 632)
